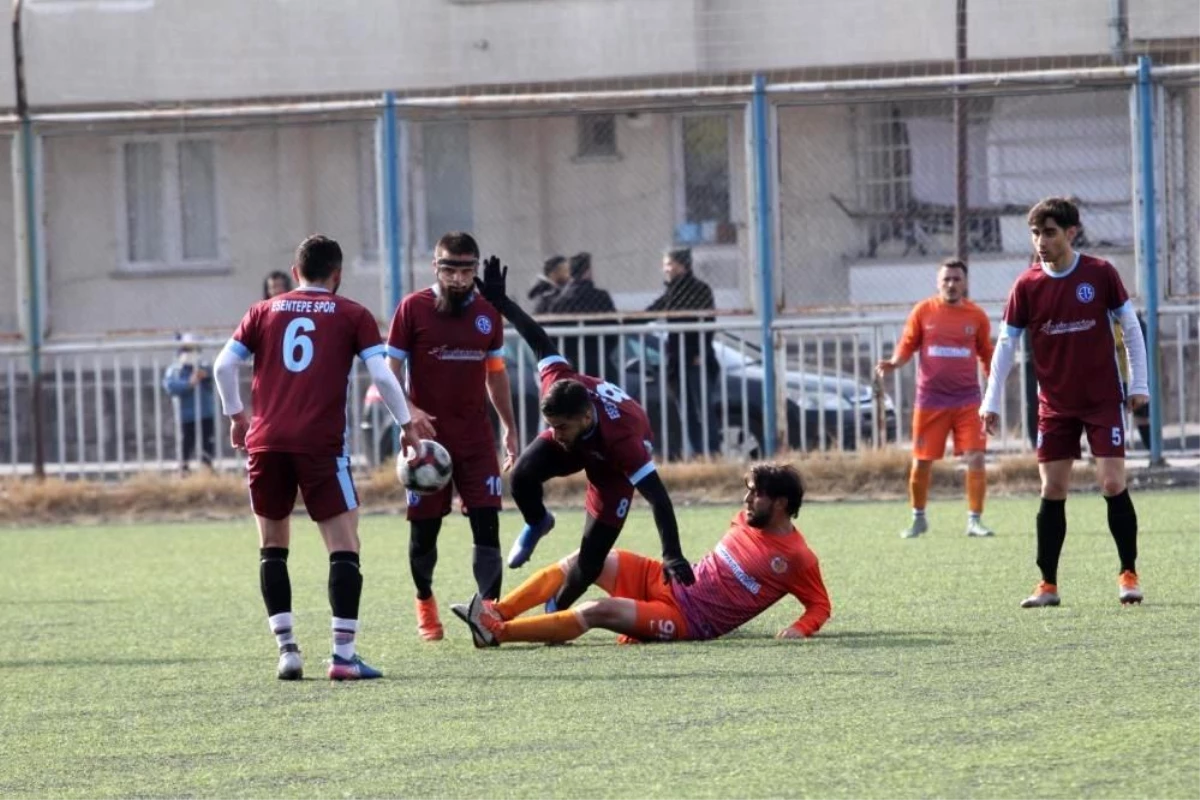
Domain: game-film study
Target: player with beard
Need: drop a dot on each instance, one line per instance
(761, 558)
(453, 342)
(594, 427)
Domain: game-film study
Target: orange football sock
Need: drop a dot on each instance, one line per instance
(536, 590)
(561, 626)
(918, 485)
(976, 490)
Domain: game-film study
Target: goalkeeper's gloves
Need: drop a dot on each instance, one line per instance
(676, 568)
(493, 285)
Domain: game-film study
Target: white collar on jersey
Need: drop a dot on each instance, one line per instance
(310, 289)
(1069, 270)
(437, 292)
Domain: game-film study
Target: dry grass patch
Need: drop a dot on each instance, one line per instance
(868, 475)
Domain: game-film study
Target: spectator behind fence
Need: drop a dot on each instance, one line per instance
(189, 382)
(556, 272)
(581, 296)
(277, 282)
(699, 367)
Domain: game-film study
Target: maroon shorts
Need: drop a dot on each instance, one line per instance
(476, 478)
(1058, 435)
(608, 493)
(323, 481)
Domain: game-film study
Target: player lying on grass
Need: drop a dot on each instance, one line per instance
(761, 558)
(593, 427)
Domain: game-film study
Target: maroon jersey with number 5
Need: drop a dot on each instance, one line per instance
(1069, 319)
(620, 443)
(304, 343)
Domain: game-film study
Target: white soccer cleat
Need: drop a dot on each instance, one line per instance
(473, 614)
(291, 664)
(976, 528)
(919, 526)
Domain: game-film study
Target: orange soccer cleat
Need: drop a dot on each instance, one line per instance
(1128, 589)
(1044, 594)
(428, 624)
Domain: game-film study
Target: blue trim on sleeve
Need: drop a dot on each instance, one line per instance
(240, 350)
(1013, 332)
(397, 353)
(550, 360)
(641, 473)
(373, 350)
(496, 353)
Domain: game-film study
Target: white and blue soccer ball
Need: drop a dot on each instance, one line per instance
(428, 472)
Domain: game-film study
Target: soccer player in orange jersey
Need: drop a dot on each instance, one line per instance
(951, 334)
(761, 558)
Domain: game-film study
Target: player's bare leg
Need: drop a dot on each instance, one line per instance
(345, 590)
(918, 493)
(1122, 524)
(1051, 530)
(976, 492)
(274, 537)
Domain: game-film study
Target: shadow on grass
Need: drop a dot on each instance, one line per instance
(71, 663)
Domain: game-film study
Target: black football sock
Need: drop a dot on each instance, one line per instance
(485, 557)
(1051, 532)
(1123, 524)
(277, 594)
(422, 554)
(345, 584)
(598, 540)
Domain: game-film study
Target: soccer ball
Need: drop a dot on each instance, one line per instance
(429, 472)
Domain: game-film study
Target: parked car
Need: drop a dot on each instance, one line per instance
(638, 370)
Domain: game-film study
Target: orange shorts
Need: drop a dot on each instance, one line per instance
(931, 426)
(641, 579)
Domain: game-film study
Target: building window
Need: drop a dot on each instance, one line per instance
(884, 170)
(703, 180)
(170, 202)
(597, 136)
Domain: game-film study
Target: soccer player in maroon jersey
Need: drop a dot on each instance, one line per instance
(761, 559)
(1067, 301)
(303, 343)
(453, 342)
(594, 426)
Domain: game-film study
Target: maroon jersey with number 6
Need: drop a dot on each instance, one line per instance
(304, 343)
(1069, 318)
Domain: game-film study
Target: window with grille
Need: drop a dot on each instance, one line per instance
(169, 190)
(597, 134)
(703, 180)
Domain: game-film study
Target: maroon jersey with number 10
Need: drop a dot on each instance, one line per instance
(304, 343)
(1069, 318)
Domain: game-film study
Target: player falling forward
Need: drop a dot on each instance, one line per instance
(594, 426)
(304, 343)
(1067, 301)
(951, 333)
(453, 342)
(759, 560)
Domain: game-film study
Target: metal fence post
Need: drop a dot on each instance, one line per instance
(1149, 248)
(388, 157)
(765, 238)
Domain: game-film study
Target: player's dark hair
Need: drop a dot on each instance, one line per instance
(318, 257)
(457, 243)
(581, 264)
(276, 275)
(682, 257)
(776, 480)
(566, 398)
(1059, 209)
(552, 264)
(954, 263)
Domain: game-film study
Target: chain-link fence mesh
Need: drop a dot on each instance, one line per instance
(867, 192)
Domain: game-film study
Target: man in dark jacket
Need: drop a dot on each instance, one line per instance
(684, 291)
(555, 274)
(581, 296)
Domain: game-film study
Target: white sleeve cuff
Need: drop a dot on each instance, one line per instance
(225, 373)
(389, 389)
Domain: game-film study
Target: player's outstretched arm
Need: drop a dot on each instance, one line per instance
(493, 289)
(675, 565)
